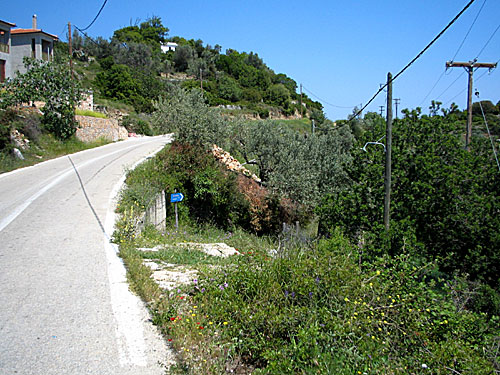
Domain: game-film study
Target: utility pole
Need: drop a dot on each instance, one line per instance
(301, 100)
(469, 67)
(70, 50)
(388, 152)
(312, 127)
(381, 110)
(396, 103)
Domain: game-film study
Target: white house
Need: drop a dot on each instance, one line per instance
(169, 46)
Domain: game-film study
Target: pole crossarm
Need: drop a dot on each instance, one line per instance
(470, 64)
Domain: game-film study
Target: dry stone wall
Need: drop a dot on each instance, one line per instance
(93, 128)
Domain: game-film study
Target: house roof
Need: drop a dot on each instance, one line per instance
(32, 31)
(8, 23)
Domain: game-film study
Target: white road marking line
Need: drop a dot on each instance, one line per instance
(19, 209)
(125, 305)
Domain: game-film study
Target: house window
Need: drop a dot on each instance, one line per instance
(2, 70)
(33, 48)
(4, 41)
(46, 55)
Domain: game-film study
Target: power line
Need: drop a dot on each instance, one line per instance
(433, 87)
(455, 55)
(324, 101)
(462, 91)
(95, 18)
(489, 134)
(489, 40)
(84, 33)
(470, 28)
(418, 56)
(451, 84)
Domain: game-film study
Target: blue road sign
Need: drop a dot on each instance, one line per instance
(176, 197)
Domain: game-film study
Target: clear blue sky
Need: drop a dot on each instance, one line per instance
(340, 51)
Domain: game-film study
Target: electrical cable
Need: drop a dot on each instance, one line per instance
(417, 57)
(462, 91)
(451, 84)
(433, 87)
(453, 58)
(470, 28)
(324, 101)
(489, 134)
(489, 40)
(95, 18)
(84, 33)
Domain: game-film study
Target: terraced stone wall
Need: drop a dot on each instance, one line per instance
(93, 128)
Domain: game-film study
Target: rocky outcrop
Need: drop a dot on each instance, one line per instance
(19, 140)
(231, 163)
(93, 128)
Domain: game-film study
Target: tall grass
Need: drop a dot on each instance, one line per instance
(89, 113)
(47, 147)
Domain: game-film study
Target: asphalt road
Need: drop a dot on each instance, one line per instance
(65, 307)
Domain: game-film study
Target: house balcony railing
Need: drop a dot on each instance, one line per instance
(4, 48)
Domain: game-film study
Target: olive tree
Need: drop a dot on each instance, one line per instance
(186, 113)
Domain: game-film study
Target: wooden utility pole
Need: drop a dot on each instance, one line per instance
(396, 103)
(381, 110)
(301, 100)
(388, 144)
(70, 50)
(469, 67)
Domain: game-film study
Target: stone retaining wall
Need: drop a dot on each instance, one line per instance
(93, 128)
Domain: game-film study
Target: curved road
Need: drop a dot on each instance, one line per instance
(65, 307)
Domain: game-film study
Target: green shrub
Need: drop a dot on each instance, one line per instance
(210, 191)
(7, 117)
(138, 124)
(320, 310)
(447, 196)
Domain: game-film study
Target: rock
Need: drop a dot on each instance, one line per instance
(19, 140)
(231, 163)
(18, 154)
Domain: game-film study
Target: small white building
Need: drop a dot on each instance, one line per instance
(169, 46)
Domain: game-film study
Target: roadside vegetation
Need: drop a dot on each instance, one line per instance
(423, 298)
(45, 134)
(40, 144)
(337, 293)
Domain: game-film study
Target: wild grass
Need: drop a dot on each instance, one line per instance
(47, 147)
(299, 125)
(89, 113)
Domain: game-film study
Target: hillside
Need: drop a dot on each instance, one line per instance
(132, 68)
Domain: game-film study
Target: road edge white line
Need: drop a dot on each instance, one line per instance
(125, 305)
(19, 209)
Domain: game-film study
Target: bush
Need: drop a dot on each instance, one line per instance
(49, 82)
(7, 117)
(448, 196)
(322, 310)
